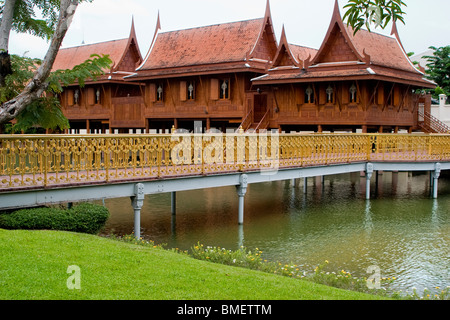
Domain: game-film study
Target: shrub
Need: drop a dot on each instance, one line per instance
(84, 218)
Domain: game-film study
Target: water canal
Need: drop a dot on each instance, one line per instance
(401, 230)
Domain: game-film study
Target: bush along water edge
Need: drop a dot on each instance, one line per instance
(82, 218)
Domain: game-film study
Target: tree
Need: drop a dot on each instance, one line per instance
(439, 68)
(45, 112)
(19, 15)
(378, 12)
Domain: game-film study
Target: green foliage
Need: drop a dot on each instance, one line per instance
(84, 218)
(25, 20)
(23, 70)
(42, 113)
(90, 69)
(46, 111)
(367, 12)
(439, 68)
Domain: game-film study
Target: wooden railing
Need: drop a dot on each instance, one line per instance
(264, 123)
(61, 160)
(248, 121)
(431, 124)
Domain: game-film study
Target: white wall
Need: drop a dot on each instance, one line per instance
(442, 111)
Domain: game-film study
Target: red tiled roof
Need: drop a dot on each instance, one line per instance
(302, 53)
(70, 57)
(222, 43)
(383, 50)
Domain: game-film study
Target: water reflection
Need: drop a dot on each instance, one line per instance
(401, 230)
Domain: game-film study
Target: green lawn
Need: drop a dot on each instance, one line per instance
(33, 265)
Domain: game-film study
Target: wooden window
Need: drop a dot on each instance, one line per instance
(353, 93)
(389, 95)
(190, 90)
(187, 90)
(76, 97)
(98, 96)
(329, 94)
(159, 92)
(309, 95)
(224, 90)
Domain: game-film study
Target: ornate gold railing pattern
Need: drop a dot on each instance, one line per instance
(65, 160)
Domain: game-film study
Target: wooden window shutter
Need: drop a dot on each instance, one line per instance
(214, 90)
(183, 91)
(345, 93)
(322, 95)
(380, 94)
(91, 96)
(151, 92)
(397, 96)
(70, 97)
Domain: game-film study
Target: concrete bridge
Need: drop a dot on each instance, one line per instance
(52, 169)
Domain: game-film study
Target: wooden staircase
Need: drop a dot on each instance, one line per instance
(430, 124)
(249, 123)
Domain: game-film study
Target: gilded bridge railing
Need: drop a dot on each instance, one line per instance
(66, 160)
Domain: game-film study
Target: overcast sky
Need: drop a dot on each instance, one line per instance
(306, 21)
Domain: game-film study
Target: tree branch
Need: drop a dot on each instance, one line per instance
(36, 87)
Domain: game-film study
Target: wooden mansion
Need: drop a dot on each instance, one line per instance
(237, 74)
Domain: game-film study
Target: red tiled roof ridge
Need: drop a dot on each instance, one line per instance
(302, 46)
(210, 25)
(93, 44)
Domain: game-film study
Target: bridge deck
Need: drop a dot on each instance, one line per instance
(44, 162)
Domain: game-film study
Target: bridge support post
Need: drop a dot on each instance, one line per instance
(369, 173)
(436, 175)
(305, 185)
(137, 201)
(241, 191)
(173, 201)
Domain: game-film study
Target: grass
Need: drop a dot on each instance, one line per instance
(33, 266)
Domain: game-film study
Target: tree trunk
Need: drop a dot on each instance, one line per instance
(5, 26)
(5, 31)
(36, 87)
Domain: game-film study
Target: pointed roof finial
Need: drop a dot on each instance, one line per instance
(337, 10)
(268, 8)
(155, 36)
(158, 22)
(394, 32)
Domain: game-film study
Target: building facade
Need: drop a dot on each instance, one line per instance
(237, 74)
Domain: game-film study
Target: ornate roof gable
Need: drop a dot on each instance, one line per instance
(266, 45)
(124, 53)
(337, 46)
(284, 56)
